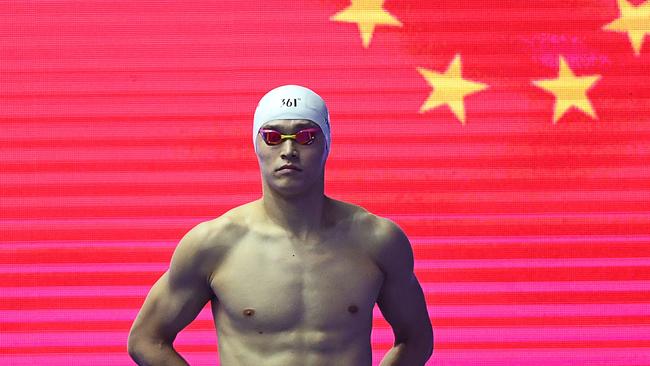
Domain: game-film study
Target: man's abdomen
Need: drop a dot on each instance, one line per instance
(298, 347)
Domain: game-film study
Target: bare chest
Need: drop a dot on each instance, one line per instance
(279, 285)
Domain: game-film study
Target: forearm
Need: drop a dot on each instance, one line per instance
(149, 353)
(408, 353)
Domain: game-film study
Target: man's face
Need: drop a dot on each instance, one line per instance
(289, 167)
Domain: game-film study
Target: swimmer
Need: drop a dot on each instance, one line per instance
(292, 278)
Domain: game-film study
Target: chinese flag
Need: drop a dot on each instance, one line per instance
(509, 139)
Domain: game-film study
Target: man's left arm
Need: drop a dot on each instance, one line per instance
(402, 301)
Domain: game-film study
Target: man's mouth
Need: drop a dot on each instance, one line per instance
(288, 166)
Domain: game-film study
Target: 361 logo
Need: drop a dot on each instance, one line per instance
(290, 102)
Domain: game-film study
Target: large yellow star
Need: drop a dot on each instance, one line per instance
(569, 91)
(635, 20)
(367, 14)
(449, 88)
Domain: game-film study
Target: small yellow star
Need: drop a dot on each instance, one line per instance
(449, 88)
(569, 91)
(635, 20)
(367, 14)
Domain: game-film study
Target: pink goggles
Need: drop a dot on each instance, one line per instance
(303, 137)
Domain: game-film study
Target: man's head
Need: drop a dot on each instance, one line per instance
(291, 135)
(292, 102)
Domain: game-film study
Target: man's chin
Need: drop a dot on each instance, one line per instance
(290, 187)
(289, 191)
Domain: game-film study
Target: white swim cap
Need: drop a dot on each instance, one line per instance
(292, 102)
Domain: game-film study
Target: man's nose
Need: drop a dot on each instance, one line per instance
(289, 148)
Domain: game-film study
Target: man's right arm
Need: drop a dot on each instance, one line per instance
(173, 302)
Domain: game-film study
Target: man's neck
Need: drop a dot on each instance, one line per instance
(298, 215)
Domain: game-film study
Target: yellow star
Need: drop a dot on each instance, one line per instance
(569, 91)
(635, 20)
(449, 88)
(367, 14)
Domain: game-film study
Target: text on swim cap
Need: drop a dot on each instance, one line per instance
(290, 102)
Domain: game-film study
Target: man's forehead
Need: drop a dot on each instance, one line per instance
(289, 124)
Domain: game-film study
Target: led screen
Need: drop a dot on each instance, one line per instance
(510, 140)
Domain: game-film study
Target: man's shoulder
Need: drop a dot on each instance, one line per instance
(377, 231)
(217, 235)
(380, 237)
(207, 243)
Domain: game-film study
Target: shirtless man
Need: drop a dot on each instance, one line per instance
(292, 277)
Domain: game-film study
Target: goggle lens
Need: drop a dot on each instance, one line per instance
(272, 137)
(303, 137)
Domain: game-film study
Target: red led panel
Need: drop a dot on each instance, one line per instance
(509, 139)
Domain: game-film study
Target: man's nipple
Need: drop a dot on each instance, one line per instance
(248, 312)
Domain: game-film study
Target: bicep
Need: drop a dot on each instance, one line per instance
(169, 307)
(403, 305)
(180, 294)
(401, 299)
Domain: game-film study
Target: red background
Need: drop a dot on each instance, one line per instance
(124, 124)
